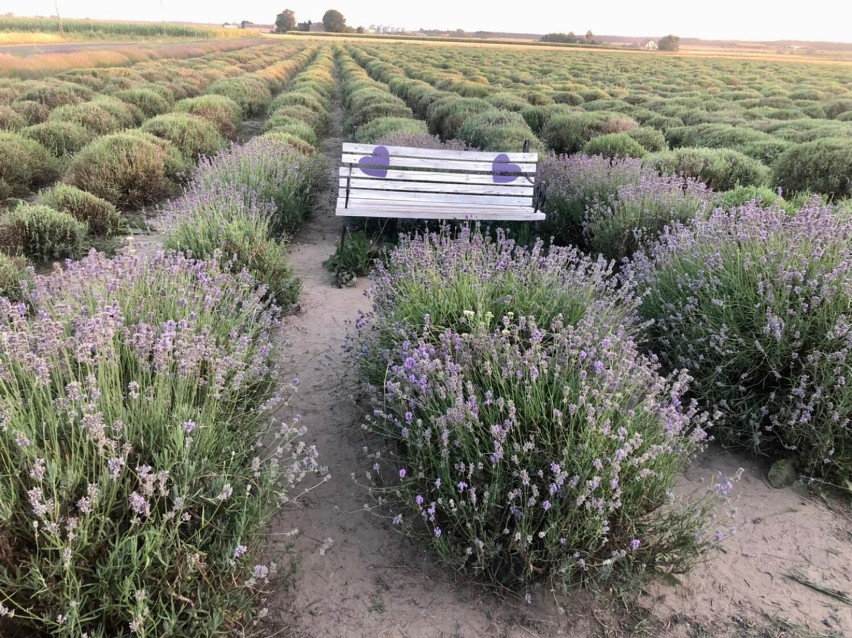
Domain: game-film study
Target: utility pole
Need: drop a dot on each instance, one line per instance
(59, 17)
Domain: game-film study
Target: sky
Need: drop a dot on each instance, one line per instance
(827, 20)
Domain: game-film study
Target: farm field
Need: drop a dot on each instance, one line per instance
(629, 419)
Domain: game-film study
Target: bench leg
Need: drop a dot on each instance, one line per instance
(337, 271)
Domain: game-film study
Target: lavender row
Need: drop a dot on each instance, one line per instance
(138, 476)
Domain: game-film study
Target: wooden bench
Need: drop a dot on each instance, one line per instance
(422, 183)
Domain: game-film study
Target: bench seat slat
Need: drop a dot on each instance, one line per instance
(465, 156)
(429, 187)
(429, 176)
(447, 198)
(440, 164)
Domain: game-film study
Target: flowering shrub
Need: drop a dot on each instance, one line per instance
(134, 487)
(637, 214)
(273, 171)
(383, 126)
(575, 182)
(531, 438)
(756, 304)
(228, 219)
(421, 140)
(436, 280)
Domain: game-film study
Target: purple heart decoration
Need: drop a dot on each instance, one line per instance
(378, 162)
(500, 166)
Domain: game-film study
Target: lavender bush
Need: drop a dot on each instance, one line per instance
(530, 437)
(575, 182)
(421, 140)
(437, 279)
(135, 485)
(228, 219)
(15, 277)
(526, 453)
(637, 213)
(272, 171)
(756, 304)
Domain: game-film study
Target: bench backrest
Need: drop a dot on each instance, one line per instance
(487, 184)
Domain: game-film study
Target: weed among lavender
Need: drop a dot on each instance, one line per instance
(756, 305)
(135, 485)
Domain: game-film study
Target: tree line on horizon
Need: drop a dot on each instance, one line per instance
(332, 21)
(666, 43)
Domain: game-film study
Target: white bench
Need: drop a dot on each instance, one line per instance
(421, 183)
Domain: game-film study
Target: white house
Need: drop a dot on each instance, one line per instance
(650, 45)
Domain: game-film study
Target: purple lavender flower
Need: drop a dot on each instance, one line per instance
(139, 504)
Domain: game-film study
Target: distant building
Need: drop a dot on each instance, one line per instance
(317, 27)
(650, 45)
(230, 25)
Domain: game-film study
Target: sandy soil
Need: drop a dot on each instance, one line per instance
(778, 533)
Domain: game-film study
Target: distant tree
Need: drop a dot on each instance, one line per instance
(246, 24)
(285, 21)
(359, 30)
(334, 22)
(562, 38)
(669, 43)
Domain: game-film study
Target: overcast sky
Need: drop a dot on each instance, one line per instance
(829, 20)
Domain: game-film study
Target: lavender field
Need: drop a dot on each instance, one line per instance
(589, 426)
